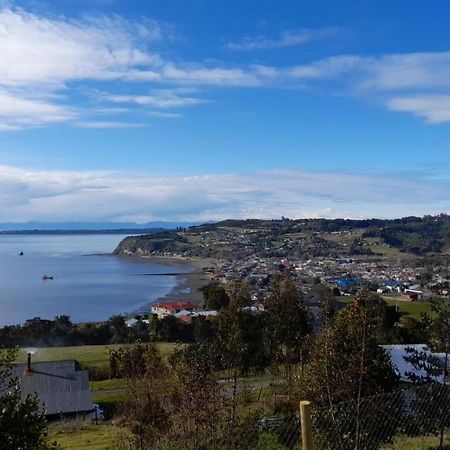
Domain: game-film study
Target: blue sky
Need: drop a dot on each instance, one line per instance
(204, 110)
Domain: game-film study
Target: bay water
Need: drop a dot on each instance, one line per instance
(88, 285)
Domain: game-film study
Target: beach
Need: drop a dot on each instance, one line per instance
(187, 288)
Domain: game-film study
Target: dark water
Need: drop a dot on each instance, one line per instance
(87, 287)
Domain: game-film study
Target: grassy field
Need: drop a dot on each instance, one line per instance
(411, 308)
(414, 309)
(107, 391)
(417, 443)
(83, 435)
(95, 356)
(91, 357)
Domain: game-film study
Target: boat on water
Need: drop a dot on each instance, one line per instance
(47, 277)
(21, 254)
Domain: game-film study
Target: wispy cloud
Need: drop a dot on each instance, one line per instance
(163, 99)
(385, 72)
(164, 114)
(433, 108)
(108, 124)
(46, 61)
(17, 112)
(416, 83)
(62, 195)
(52, 51)
(43, 56)
(288, 38)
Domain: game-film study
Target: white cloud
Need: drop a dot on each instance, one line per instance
(17, 112)
(42, 56)
(160, 99)
(89, 196)
(53, 51)
(164, 114)
(434, 108)
(327, 68)
(288, 38)
(199, 74)
(108, 124)
(416, 83)
(383, 73)
(45, 58)
(408, 71)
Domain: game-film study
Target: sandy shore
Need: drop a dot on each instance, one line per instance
(189, 282)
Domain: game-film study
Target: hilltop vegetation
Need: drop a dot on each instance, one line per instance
(302, 238)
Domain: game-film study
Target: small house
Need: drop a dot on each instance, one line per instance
(59, 386)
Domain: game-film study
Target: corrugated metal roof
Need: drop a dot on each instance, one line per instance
(59, 386)
(399, 355)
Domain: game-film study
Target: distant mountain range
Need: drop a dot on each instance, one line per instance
(90, 226)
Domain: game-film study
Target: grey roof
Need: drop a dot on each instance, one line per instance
(399, 354)
(59, 386)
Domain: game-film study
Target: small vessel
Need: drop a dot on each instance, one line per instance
(21, 254)
(47, 277)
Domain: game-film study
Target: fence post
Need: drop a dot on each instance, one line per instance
(306, 426)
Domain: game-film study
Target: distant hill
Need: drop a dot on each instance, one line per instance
(90, 226)
(303, 238)
(128, 231)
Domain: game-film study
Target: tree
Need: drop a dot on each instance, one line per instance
(432, 369)
(119, 329)
(22, 423)
(215, 297)
(346, 361)
(147, 379)
(287, 322)
(326, 299)
(346, 365)
(200, 413)
(238, 344)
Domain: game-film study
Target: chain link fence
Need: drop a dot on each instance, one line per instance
(408, 419)
(414, 418)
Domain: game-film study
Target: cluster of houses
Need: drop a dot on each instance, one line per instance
(183, 311)
(345, 275)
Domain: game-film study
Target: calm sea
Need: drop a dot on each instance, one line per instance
(86, 286)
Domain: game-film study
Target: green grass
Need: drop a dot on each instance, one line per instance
(95, 356)
(410, 308)
(108, 390)
(87, 355)
(414, 309)
(83, 435)
(416, 443)
(107, 385)
(92, 357)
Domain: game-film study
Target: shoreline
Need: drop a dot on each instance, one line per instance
(187, 283)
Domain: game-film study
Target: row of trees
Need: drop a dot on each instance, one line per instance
(62, 332)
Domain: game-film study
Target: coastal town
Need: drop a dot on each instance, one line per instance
(342, 256)
(224, 225)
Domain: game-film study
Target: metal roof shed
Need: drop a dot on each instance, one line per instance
(61, 388)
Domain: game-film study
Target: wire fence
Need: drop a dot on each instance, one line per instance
(416, 418)
(413, 418)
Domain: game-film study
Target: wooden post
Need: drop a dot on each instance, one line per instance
(306, 426)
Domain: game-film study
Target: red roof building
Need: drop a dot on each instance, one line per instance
(172, 308)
